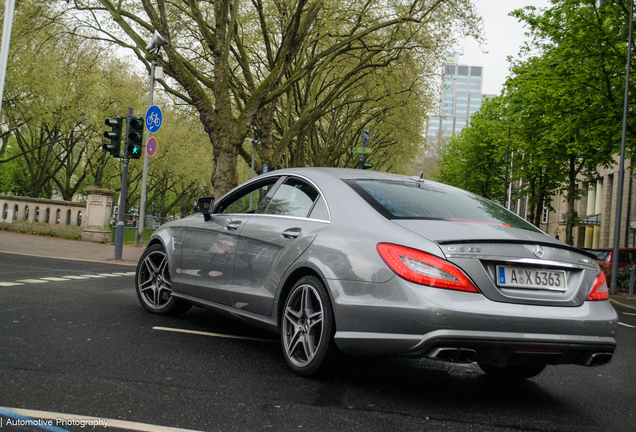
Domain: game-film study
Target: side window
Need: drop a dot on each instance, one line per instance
(248, 200)
(293, 198)
(320, 210)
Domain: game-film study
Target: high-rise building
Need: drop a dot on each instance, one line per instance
(461, 97)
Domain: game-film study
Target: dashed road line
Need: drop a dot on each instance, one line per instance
(626, 325)
(63, 279)
(627, 313)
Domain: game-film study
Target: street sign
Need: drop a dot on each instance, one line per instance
(154, 118)
(363, 150)
(265, 168)
(365, 138)
(151, 146)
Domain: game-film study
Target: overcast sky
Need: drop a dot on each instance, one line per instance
(504, 35)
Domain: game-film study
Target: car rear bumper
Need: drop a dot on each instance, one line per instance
(488, 347)
(400, 318)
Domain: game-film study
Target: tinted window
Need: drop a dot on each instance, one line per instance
(320, 210)
(248, 200)
(408, 199)
(293, 198)
(601, 255)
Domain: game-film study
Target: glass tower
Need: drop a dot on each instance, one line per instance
(461, 96)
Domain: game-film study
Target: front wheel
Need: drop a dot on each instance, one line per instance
(511, 371)
(308, 328)
(153, 285)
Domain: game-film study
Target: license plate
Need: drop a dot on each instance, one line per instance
(542, 279)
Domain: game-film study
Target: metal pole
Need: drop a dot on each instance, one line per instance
(144, 177)
(507, 158)
(631, 283)
(119, 231)
(621, 169)
(510, 185)
(9, 7)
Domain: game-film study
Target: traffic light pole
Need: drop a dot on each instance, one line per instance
(119, 230)
(144, 178)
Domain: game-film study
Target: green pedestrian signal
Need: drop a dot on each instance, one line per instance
(113, 135)
(134, 137)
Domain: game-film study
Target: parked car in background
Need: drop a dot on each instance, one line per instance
(626, 257)
(369, 263)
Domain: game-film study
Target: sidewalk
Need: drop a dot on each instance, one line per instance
(52, 247)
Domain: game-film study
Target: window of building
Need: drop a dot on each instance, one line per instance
(26, 213)
(5, 211)
(68, 217)
(37, 214)
(544, 215)
(475, 71)
(462, 70)
(15, 212)
(79, 218)
(449, 70)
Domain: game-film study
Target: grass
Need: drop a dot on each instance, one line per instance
(130, 235)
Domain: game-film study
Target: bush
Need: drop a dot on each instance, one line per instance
(622, 284)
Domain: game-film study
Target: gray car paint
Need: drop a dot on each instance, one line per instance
(377, 312)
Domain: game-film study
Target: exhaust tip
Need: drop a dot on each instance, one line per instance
(454, 355)
(599, 359)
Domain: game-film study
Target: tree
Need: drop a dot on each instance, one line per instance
(235, 61)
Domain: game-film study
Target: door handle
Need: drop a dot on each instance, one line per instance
(233, 226)
(291, 233)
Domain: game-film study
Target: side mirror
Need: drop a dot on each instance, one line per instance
(204, 205)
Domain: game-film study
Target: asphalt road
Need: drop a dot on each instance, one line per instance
(84, 346)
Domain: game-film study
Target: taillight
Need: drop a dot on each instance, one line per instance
(599, 289)
(423, 268)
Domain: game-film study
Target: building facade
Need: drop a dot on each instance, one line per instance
(461, 97)
(596, 212)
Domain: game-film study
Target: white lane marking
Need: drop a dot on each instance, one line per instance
(627, 313)
(131, 273)
(55, 279)
(124, 274)
(96, 276)
(9, 284)
(111, 423)
(110, 274)
(622, 304)
(77, 277)
(219, 335)
(32, 281)
(626, 325)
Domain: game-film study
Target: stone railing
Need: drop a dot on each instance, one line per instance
(88, 220)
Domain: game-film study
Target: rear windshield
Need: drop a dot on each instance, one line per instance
(601, 255)
(409, 199)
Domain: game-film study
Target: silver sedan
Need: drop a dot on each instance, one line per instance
(355, 262)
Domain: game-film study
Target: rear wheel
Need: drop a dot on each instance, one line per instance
(308, 328)
(512, 371)
(153, 285)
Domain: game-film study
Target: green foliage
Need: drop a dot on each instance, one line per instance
(483, 147)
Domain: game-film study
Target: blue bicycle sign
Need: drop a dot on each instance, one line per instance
(154, 118)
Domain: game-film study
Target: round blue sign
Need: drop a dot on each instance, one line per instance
(154, 118)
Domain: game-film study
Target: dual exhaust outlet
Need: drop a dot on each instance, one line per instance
(467, 355)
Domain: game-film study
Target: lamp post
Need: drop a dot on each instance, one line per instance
(621, 168)
(466, 183)
(153, 47)
(9, 8)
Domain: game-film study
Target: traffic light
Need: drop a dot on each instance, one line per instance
(134, 137)
(113, 135)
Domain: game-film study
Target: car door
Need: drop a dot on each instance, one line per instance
(210, 244)
(273, 239)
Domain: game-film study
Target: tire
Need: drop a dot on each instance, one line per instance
(512, 371)
(153, 286)
(307, 328)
